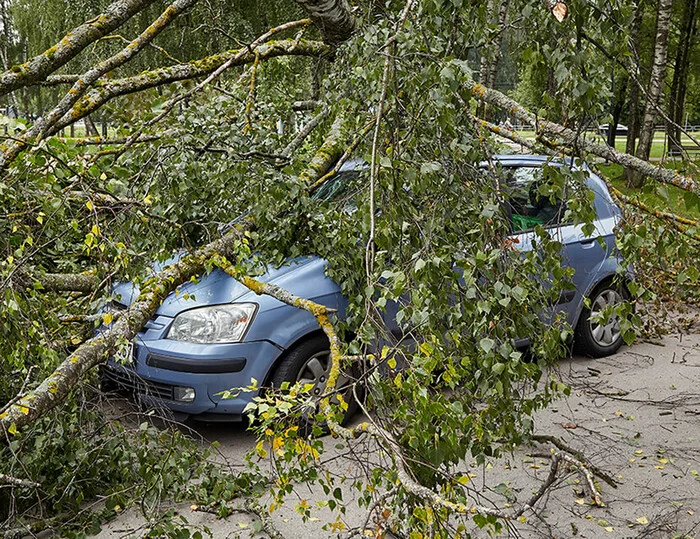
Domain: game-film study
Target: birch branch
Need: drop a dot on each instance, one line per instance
(39, 67)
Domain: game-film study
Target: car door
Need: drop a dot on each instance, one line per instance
(585, 253)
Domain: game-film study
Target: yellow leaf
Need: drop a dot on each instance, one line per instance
(638, 452)
(242, 525)
(107, 318)
(663, 460)
(95, 230)
(580, 501)
(608, 528)
(89, 205)
(643, 520)
(12, 429)
(522, 518)
(392, 363)
(23, 409)
(463, 479)
(103, 176)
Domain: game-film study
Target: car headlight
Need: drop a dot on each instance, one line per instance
(210, 325)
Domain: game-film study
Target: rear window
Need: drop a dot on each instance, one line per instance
(526, 206)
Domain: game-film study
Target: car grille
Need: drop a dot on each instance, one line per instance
(130, 381)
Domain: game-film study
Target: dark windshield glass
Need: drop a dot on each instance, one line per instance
(342, 186)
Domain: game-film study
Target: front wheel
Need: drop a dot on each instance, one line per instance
(595, 337)
(310, 363)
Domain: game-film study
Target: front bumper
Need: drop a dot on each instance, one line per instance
(157, 368)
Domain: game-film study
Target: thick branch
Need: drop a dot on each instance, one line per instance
(55, 388)
(97, 97)
(573, 139)
(75, 41)
(68, 282)
(332, 17)
(8, 480)
(42, 126)
(327, 154)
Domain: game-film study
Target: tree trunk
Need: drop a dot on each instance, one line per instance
(617, 106)
(656, 82)
(491, 51)
(633, 113)
(332, 17)
(680, 77)
(90, 129)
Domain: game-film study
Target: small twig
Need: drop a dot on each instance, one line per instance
(559, 444)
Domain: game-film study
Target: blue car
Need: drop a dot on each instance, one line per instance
(215, 334)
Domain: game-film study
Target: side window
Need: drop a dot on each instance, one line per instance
(527, 207)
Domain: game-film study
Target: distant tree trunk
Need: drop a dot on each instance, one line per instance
(90, 129)
(491, 52)
(680, 77)
(617, 106)
(633, 113)
(656, 82)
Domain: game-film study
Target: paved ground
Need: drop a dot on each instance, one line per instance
(636, 415)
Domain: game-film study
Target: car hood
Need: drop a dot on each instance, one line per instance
(214, 288)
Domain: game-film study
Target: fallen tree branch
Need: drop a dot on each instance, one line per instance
(305, 132)
(67, 282)
(571, 138)
(37, 68)
(55, 388)
(559, 444)
(251, 49)
(103, 93)
(327, 154)
(44, 125)
(9, 481)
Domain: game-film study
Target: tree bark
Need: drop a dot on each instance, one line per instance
(332, 17)
(491, 52)
(656, 82)
(680, 77)
(71, 45)
(633, 111)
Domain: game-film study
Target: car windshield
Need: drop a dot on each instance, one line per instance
(341, 187)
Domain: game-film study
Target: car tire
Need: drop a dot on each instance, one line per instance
(599, 340)
(310, 362)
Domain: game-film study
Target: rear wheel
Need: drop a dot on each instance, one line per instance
(310, 363)
(596, 338)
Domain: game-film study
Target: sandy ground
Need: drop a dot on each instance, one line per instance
(635, 415)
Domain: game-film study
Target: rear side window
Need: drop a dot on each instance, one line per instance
(526, 205)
